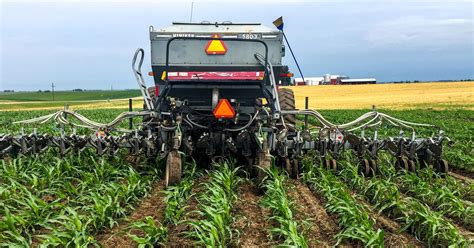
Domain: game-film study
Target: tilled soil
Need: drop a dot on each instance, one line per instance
(462, 172)
(323, 228)
(153, 206)
(252, 218)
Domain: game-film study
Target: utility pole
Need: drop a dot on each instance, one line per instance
(191, 17)
(52, 90)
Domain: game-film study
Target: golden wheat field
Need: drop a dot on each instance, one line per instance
(388, 96)
(391, 96)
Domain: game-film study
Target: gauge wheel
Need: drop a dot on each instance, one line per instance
(173, 168)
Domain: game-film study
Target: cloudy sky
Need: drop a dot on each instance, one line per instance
(80, 44)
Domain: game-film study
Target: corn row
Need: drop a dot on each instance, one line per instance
(177, 196)
(65, 201)
(213, 225)
(276, 198)
(354, 221)
(429, 188)
(425, 224)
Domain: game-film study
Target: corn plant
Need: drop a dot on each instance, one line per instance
(438, 196)
(276, 198)
(177, 196)
(426, 224)
(354, 220)
(35, 192)
(152, 233)
(213, 225)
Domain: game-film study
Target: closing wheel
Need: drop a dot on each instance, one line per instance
(364, 167)
(327, 164)
(402, 163)
(411, 165)
(264, 162)
(288, 166)
(333, 164)
(173, 168)
(296, 168)
(442, 166)
(425, 160)
(373, 167)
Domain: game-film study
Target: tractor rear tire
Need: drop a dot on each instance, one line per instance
(173, 168)
(286, 98)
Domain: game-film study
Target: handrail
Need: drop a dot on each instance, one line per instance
(137, 71)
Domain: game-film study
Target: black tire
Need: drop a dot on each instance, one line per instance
(286, 98)
(173, 168)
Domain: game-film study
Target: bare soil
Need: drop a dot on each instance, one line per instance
(323, 227)
(464, 176)
(251, 218)
(153, 205)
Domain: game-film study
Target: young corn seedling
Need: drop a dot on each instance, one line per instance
(354, 221)
(213, 226)
(426, 224)
(177, 196)
(427, 187)
(152, 233)
(276, 198)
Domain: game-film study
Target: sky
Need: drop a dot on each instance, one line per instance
(83, 44)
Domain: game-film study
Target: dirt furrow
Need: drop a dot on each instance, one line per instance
(322, 227)
(153, 205)
(463, 178)
(251, 218)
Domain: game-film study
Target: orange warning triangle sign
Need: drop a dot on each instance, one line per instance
(224, 110)
(216, 47)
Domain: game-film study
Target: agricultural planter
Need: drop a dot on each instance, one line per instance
(217, 94)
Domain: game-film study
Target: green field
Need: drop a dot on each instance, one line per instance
(83, 200)
(65, 96)
(457, 125)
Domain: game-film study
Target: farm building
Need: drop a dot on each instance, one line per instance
(357, 81)
(332, 80)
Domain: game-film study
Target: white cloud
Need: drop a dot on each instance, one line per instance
(421, 32)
